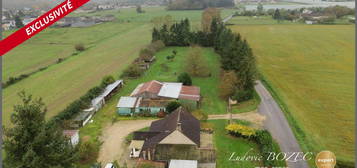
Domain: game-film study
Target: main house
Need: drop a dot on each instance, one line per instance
(153, 96)
(177, 136)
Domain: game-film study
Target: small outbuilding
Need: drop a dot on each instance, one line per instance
(183, 163)
(128, 105)
(72, 135)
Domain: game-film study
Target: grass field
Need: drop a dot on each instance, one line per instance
(226, 144)
(111, 47)
(311, 67)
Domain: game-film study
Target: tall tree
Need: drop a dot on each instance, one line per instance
(18, 22)
(207, 16)
(195, 63)
(31, 143)
(260, 8)
(228, 84)
(277, 15)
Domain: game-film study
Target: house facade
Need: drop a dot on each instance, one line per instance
(177, 136)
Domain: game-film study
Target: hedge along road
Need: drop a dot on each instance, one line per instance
(276, 123)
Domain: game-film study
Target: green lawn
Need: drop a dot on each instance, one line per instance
(311, 67)
(226, 144)
(111, 47)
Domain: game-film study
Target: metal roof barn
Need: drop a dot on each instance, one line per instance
(129, 102)
(183, 164)
(171, 90)
(110, 88)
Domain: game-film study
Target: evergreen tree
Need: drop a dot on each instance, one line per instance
(31, 143)
(185, 79)
(18, 22)
(260, 8)
(277, 15)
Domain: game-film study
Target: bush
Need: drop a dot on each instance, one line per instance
(146, 54)
(79, 47)
(200, 115)
(243, 95)
(88, 151)
(265, 142)
(240, 130)
(132, 71)
(157, 45)
(185, 79)
(107, 80)
(172, 106)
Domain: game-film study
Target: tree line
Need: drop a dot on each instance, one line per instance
(197, 4)
(235, 52)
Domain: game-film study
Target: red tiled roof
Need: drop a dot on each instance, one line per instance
(152, 87)
(190, 93)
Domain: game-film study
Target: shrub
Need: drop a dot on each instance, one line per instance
(79, 47)
(172, 106)
(265, 142)
(200, 115)
(243, 95)
(146, 54)
(107, 80)
(88, 151)
(185, 79)
(157, 45)
(240, 130)
(132, 71)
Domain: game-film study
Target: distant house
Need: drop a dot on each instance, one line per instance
(28, 19)
(72, 135)
(177, 136)
(152, 97)
(8, 24)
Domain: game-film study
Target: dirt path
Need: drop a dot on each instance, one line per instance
(113, 138)
(255, 118)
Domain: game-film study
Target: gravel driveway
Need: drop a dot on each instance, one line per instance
(113, 138)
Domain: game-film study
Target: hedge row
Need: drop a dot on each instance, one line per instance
(261, 137)
(82, 103)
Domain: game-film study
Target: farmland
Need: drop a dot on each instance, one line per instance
(311, 68)
(110, 48)
(164, 70)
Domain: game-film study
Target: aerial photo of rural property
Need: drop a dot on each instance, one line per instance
(181, 84)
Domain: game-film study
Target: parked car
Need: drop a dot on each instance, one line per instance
(109, 165)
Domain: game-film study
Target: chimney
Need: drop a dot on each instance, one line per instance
(179, 127)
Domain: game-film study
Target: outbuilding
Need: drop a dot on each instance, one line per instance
(72, 135)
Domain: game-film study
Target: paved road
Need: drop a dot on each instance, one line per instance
(277, 125)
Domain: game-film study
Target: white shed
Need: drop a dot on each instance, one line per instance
(183, 164)
(73, 136)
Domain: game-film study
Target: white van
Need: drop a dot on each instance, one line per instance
(109, 165)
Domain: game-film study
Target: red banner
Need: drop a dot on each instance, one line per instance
(39, 24)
